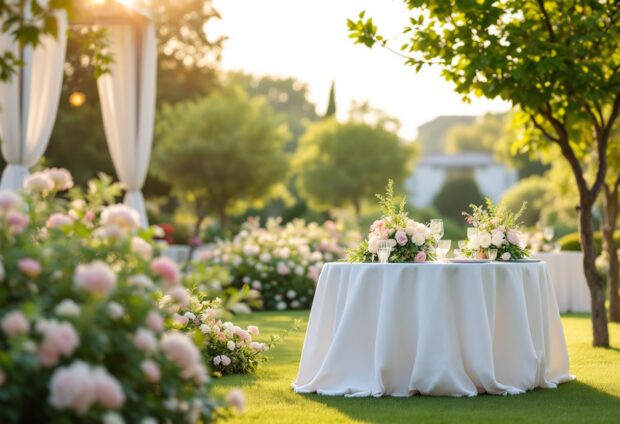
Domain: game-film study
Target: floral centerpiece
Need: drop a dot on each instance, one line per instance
(280, 263)
(84, 336)
(496, 227)
(411, 241)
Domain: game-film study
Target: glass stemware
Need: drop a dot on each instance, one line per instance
(492, 254)
(436, 228)
(443, 247)
(383, 251)
(548, 233)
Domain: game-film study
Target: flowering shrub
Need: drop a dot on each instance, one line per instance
(496, 228)
(280, 262)
(410, 241)
(82, 336)
(228, 348)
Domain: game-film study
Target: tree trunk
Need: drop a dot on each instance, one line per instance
(221, 213)
(595, 282)
(609, 245)
(200, 216)
(358, 209)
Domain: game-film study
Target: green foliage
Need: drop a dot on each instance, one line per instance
(572, 241)
(343, 164)
(100, 318)
(432, 135)
(477, 137)
(331, 105)
(219, 151)
(535, 192)
(456, 195)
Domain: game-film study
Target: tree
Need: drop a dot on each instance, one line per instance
(558, 62)
(287, 97)
(331, 104)
(457, 193)
(611, 210)
(343, 164)
(219, 151)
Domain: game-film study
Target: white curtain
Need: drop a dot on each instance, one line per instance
(29, 102)
(127, 97)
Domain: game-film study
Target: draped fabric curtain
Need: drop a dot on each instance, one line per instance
(127, 97)
(29, 102)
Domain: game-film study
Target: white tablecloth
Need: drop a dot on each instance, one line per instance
(566, 273)
(433, 329)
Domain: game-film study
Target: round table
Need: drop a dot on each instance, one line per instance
(433, 329)
(569, 281)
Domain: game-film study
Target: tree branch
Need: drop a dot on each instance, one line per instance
(543, 10)
(542, 129)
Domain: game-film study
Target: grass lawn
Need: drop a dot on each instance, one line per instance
(593, 398)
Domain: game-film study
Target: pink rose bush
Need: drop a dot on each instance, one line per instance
(411, 241)
(228, 348)
(85, 332)
(278, 259)
(496, 228)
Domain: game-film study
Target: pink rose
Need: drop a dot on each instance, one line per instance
(282, 269)
(180, 295)
(243, 335)
(253, 330)
(180, 350)
(96, 278)
(144, 340)
(142, 248)
(58, 220)
(17, 221)
(59, 339)
(38, 183)
(89, 216)
(225, 360)
(121, 216)
(167, 269)
(259, 347)
(155, 322)
(30, 267)
(420, 257)
(378, 225)
(61, 178)
(72, 388)
(401, 237)
(513, 237)
(108, 390)
(14, 324)
(236, 399)
(151, 370)
(9, 200)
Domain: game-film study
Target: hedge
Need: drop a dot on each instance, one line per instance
(571, 241)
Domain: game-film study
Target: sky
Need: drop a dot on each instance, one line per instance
(308, 40)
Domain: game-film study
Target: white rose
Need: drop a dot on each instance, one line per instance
(418, 239)
(230, 345)
(497, 239)
(67, 308)
(506, 256)
(484, 239)
(473, 243)
(373, 244)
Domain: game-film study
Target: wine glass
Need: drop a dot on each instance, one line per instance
(443, 247)
(492, 254)
(548, 233)
(472, 232)
(383, 251)
(437, 228)
(460, 252)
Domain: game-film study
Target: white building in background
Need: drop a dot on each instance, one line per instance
(433, 170)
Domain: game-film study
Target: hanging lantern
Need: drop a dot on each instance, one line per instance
(77, 98)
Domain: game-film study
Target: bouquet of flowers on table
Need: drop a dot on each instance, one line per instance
(408, 240)
(494, 233)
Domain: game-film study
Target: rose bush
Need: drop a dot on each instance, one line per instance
(281, 263)
(84, 308)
